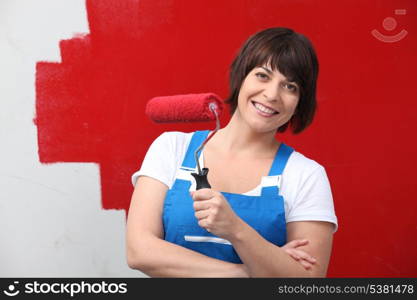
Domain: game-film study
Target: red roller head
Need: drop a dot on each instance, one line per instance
(184, 108)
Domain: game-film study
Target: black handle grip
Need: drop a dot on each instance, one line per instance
(201, 179)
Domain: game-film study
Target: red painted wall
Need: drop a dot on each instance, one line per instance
(90, 107)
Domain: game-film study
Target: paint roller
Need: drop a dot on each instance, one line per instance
(188, 108)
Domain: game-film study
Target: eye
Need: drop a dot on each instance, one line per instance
(262, 76)
(290, 87)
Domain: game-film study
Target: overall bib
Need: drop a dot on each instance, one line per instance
(264, 213)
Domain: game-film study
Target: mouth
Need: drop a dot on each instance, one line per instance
(264, 110)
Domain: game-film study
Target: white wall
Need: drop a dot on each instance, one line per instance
(51, 220)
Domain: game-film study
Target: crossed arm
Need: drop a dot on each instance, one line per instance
(148, 252)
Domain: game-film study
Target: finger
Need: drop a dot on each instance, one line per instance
(203, 194)
(291, 244)
(204, 223)
(305, 256)
(201, 205)
(297, 243)
(305, 264)
(292, 254)
(201, 214)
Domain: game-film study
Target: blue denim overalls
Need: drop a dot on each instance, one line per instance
(265, 213)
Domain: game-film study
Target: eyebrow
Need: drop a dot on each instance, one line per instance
(268, 70)
(286, 79)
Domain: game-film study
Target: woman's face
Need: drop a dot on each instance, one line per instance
(267, 100)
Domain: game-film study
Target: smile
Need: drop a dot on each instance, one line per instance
(263, 110)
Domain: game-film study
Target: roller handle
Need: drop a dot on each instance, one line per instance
(201, 179)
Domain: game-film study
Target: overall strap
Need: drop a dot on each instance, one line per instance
(280, 160)
(189, 163)
(197, 139)
(273, 180)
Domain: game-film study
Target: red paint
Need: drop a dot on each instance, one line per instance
(91, 107)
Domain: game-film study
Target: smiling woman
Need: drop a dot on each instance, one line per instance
(269, 211)
(292, 58)
(269, 94)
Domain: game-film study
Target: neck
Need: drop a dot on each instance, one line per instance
(237, 139)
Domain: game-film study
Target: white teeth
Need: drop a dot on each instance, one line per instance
(263, 108)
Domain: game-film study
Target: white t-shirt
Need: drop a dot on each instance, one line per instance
(304, 184)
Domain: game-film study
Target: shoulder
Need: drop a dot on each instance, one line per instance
(301, 173)
(164, 157)
(306, 190)
(173, 141)
(301, 166)
(174, 136)
(172, 145)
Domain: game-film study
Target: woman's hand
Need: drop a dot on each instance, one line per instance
(302, 257)
(214, 213)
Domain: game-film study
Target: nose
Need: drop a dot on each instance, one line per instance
(271, 92)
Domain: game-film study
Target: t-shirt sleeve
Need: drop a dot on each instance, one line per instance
(159, 161)
(314, 200)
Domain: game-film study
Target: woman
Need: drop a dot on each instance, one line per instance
(284, 225)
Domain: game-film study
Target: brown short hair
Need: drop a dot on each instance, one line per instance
(293, 55)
